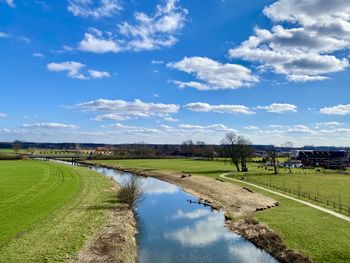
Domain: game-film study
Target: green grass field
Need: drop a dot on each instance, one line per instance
(321, 236)
(46, 209)
(326, 184)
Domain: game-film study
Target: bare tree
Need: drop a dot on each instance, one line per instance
(273, 157)
(16, 145)
(231, 148)
(245, 151)
(132, 192)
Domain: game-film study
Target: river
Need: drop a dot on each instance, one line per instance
(173, 229)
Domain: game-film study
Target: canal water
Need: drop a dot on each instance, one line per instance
(174, 230)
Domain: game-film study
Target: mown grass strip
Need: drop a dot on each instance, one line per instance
(48, 210)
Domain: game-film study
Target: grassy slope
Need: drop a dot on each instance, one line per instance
(323, 237)
(46, 210)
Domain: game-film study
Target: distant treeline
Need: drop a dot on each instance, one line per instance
(142, 150)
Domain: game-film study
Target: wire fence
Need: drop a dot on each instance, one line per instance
(336, 206)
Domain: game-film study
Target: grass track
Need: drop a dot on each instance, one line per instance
(46, 210)
(321, 236)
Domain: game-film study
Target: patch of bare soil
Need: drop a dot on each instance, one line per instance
(115, 242)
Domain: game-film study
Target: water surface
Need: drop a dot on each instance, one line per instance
(173, 230)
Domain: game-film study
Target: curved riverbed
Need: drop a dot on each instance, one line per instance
(172, 229)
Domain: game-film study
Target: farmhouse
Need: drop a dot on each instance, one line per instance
(326, 159)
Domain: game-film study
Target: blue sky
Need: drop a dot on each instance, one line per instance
(117, 71)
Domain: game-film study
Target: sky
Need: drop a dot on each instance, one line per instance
(166, 71)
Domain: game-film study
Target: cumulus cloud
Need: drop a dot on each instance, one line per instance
(99, 74)
(205, 107)
(155, 31)
(97, 43)
(148, 32)
(50, 125)
(336, 110)
(212, 75)
(279, 108)
(123, 110)
(308, 50)
(3, 115)
(74, 68)
(92, 8)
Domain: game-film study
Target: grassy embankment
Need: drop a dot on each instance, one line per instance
(47, 210)
(321, 236)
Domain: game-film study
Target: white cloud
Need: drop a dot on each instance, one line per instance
(73, 68)
(279, 108)
(24, 39)
(123, 110)
(3, 115)
(149, 32)
(98, 44)
(213, 75)
(205, 107)
(251, 128)
(11, 3)
(38, 55)
(329, 124)
(170, 119)
(50, 125)
(157, 62)
(92, 8)
(308, 49)
(99, 74)
(336, 110)
(155, 31)
(4, 35)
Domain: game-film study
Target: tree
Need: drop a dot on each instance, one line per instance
(245, 151)
(17, 145)
(238, 149)
(273, 156)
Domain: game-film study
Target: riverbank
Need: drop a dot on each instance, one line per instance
(49, 211)
(238, 202)
(115, 242)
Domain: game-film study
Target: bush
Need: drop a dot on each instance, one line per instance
(132, 192)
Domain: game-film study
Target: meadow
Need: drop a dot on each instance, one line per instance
(321, 236)
(47, 210)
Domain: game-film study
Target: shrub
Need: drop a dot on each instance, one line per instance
(132, 192)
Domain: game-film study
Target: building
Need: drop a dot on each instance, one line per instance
(325, 159)
(292, 164)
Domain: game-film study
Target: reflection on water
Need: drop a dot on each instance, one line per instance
(175, 231)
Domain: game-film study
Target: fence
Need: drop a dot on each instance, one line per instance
(337, 206)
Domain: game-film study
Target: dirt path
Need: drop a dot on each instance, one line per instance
(341, 216)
